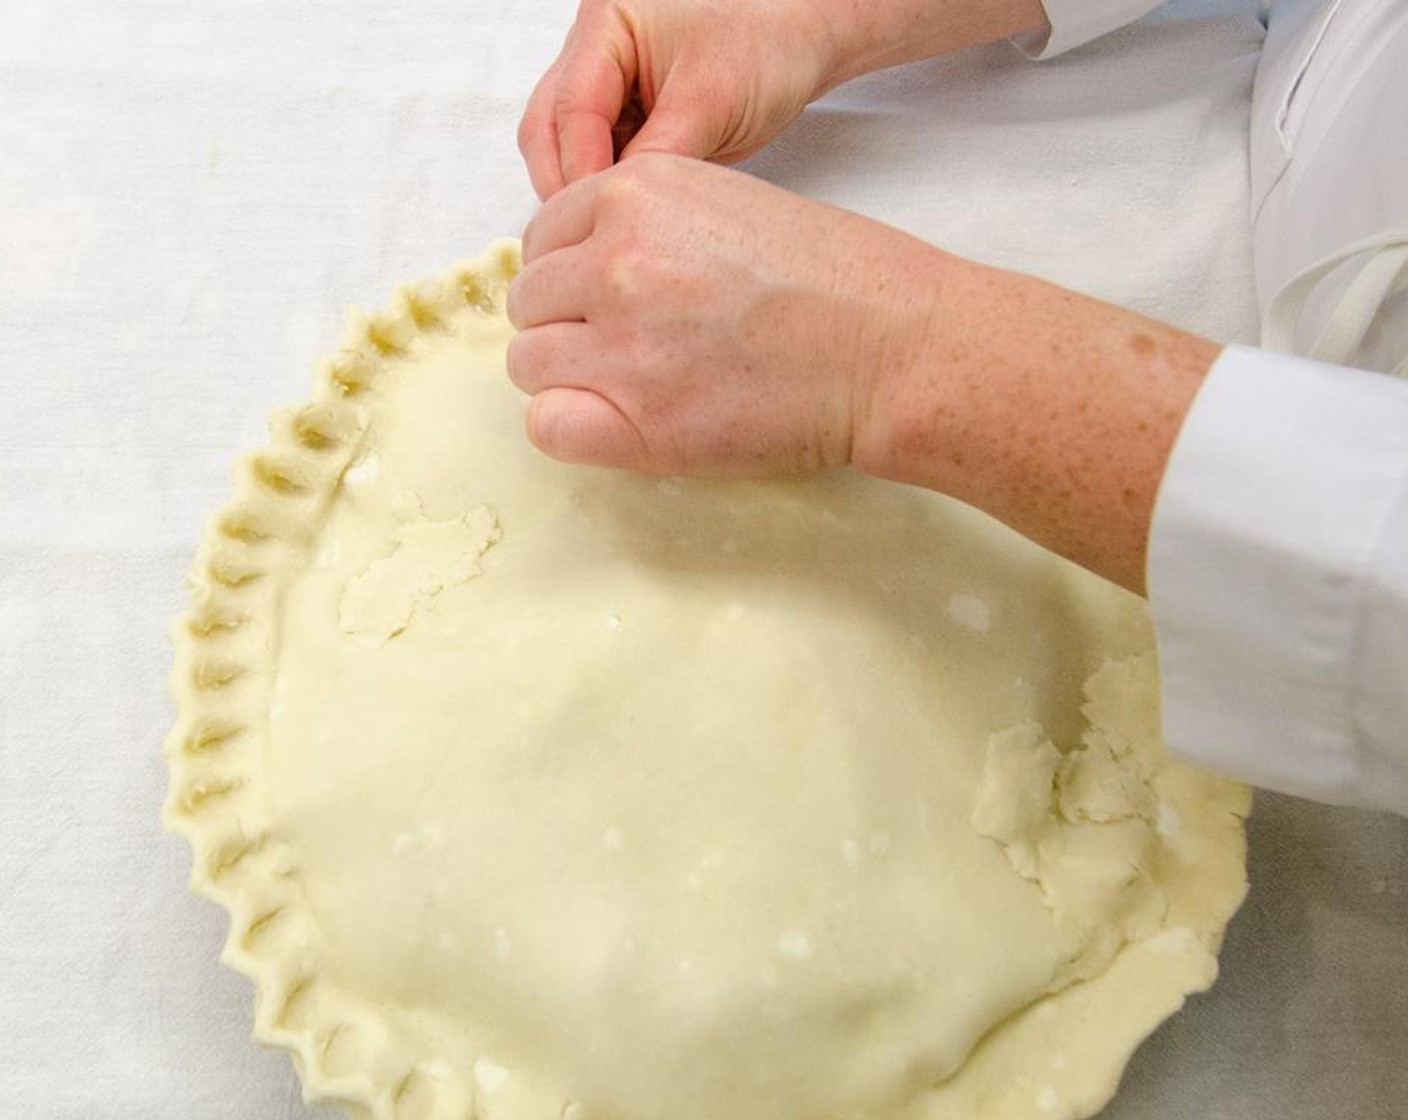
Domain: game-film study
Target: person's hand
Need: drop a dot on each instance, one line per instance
(694, 77)
(719, 80)
(680, 318)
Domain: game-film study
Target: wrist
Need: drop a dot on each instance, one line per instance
(1054, 412)
(868, 35)
(903, 404)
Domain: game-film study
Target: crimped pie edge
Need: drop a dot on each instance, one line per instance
(221, 682)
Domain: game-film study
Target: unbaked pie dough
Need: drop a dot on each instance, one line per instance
(538, 792)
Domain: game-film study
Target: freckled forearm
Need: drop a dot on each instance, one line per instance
(1052, 411)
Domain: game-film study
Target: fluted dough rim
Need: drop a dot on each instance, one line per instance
(221, 679)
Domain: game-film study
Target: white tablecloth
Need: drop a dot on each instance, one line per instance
(190, 194)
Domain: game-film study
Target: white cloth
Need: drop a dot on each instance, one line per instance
(190, 194)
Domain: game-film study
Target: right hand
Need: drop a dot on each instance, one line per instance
(718, 81)
(693, 77)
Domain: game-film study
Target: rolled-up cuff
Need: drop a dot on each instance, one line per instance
(1267, 563)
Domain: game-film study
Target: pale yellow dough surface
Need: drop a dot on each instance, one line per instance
(546, 792)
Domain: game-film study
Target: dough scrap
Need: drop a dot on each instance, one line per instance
(668, 798)
(1081, 825)
(427, 557)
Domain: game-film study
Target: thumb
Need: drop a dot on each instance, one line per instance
(678, 125)
(598, 71)
(580, 426)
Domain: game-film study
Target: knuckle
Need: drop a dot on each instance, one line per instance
(539, 426)
(513, 304)
(618, 191)
(527, 243)
(635, 196)
(525, 295)
(566, 101)
(529, 363)
(625, 275)
(655, 174)
(633, 180)
(515, 360)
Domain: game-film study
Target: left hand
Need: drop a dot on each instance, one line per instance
(680, 318)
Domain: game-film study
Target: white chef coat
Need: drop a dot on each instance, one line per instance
(1278, 561)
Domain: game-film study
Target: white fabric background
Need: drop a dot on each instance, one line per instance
(190, 194)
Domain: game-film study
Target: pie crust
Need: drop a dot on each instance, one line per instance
(536, 791)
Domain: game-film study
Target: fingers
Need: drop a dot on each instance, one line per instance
(580, 426)
(579, 116)
(597, 75)
(566, 219)
(551, 290)
(537, 136)
(557, 355)
(567, 418)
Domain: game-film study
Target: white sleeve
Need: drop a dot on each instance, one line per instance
(1076, 22)
(1278, 579)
